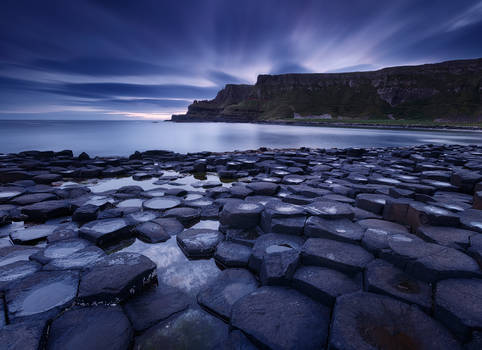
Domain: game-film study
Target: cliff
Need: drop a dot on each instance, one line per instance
(449, 91)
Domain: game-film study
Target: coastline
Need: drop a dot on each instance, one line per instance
(390, 233)
(341, 125)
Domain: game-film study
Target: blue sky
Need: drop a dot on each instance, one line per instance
(150, 59)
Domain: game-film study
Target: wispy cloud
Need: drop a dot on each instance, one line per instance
(471, 16)
(140, 60)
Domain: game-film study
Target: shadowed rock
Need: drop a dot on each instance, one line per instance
(428, 261)
(222, 293)
(458, 304)
(383, 278)
(44, 292)
(323, 284)
(340, 230)
(15, 271)
(369, 321)
(116, 277)
(283, 319)
(24, 335)
(279, 264)
(344, 257)
(106, 232)
(33, 234)
(283, 218)
(268, 240)
(78, 260)
(330, 210)
(230, 254)
(241, 215)
(192, 329)
(99, 327)
(151, 232)
(42, 211)
(199, 243)
(154, 305)
(60, 249)
(449, 236)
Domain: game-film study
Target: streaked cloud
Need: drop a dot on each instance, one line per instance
(151, 58)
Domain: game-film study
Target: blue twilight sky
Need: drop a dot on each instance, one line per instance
(123, 59)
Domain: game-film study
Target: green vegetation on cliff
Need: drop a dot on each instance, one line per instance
(445, 92)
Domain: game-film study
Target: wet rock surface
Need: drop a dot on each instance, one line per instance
(41, 293)
(220, 296)
(199, 243)
(115, 278)
(98, 327)
(387, 241)
(284, 319)
(370, 321)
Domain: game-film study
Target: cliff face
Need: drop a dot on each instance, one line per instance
(448, 91)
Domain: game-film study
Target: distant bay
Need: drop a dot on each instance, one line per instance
(122, 138)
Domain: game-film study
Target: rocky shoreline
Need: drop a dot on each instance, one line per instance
(331, 124)
(354, 248)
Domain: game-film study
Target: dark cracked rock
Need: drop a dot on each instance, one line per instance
(24, 335)
(7, 193)
(428, 261)
(230, 254)
(222, 293)
(344, 257)
(59, 250)
(376, 240)
(86, 213)
(32, 198)
(154, 305)
(47, 178)
(419, 214)
(271, 240)
(284, 218)
(384, 278)
(44, 292)
(330, 210)
(366, 321)
(42, 211)
(116, 277)
(449, 236)
(15, 271)
(78, 260)
(151, 232)
(372, 202)
(186, 216)
(263, 188)
(170, 225)
(98, 327)
(471, 219)
(279, 264)
(106, 232)
(9, 255)
(33, 234)
(340, 229)
(241, 215)
(324, 284)
(458, 305)
(199, 243)
(192, 329)
(237, 341)
(281, 318)
(383, 225)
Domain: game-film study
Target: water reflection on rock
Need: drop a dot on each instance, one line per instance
(174, 269)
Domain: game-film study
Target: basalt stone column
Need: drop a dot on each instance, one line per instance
(239, 220)
(283, 218)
